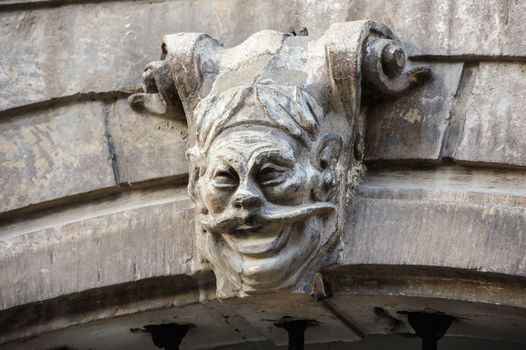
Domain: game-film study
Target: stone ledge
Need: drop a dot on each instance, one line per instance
(428, 282)
(453, 184)
(370, 299)
(433, 223)
(142, 236)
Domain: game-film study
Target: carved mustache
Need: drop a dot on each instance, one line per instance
(268, 215)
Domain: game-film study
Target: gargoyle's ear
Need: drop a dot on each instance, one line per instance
(326, 156)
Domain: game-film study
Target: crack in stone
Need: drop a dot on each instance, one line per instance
(65, 101)
(457, 112)
(111, 148)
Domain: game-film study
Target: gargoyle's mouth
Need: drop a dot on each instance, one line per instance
(262, 232)
(257, 242)
(246, 229)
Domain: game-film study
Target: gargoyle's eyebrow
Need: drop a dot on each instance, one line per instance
(271, 154)
(228, 161)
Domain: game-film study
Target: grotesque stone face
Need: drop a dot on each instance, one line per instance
(258, 207)
(263, 190)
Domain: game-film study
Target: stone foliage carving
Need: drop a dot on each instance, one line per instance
(275, 129)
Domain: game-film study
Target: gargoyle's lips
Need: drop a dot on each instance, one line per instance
(257, 242)
(263, 231)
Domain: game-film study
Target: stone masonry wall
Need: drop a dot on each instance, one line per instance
(92, 194)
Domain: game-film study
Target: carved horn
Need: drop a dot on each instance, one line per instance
(368, 52)
(174, 82)
(160, 96)
(385, 67)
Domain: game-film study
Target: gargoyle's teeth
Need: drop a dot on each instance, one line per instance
(248, 227)
(257, 244)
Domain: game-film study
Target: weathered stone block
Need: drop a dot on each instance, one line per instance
(54, 153)
(147, 147)
(494, 129)
(450, 28)
(412, 125)
(138, 236)
(464, 219)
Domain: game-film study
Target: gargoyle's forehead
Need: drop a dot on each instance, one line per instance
(287, 109)
(248, 147)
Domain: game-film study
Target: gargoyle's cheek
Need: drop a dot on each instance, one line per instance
(215, 200)
(292, 191)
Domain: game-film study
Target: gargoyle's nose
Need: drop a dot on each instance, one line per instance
(246, 199)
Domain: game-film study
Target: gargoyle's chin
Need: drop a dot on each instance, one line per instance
(277, 272)
(279, 269)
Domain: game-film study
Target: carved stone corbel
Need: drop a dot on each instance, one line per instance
(272, 127)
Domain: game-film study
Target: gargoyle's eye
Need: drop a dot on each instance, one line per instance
(225, 179)
(271, 174)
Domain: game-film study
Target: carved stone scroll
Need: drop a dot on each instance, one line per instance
(272, 127)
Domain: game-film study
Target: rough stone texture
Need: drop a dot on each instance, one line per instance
(53, 153)
(412, 126)
(136, 236)
(458, 218)
(451, 28)
(77, 148)
(472, 115)
(112, 41)
(494, 129)
(147, 147)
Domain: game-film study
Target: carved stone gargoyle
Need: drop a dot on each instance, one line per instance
(273, 124)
